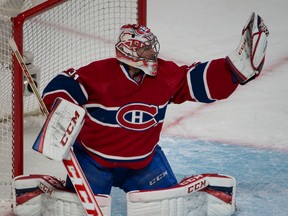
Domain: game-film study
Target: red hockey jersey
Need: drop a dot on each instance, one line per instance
(124, 115)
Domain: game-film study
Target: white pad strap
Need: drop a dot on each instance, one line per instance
(45, 195)
(206, 194)
(60, 130)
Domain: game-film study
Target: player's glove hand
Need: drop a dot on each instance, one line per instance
(247, 60)
(60, 130)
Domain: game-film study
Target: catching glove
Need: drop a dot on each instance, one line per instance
(247, 60)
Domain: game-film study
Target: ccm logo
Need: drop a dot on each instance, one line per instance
(82, 191)
(191, 180)
(158, 178)
(197, 186)
(45, 189)
(70, 128)
(242, 47)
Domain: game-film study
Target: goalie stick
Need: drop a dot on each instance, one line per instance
(71, 164)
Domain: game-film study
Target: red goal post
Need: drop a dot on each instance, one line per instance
(61, 34)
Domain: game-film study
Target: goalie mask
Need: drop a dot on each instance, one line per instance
(138, 47)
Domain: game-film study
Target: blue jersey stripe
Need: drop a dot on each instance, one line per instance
(197, 78)
(68, 84)
(103, 115)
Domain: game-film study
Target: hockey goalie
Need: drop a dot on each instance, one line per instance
(121, 104)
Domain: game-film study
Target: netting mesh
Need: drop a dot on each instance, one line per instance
(70, 35)
(74, 34)
(6, 109)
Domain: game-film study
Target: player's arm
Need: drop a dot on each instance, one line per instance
(218, 79)
(210, 81)
(66, 85)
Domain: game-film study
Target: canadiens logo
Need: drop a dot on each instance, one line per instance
(137, 116)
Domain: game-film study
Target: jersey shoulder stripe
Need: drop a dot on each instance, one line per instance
(198, 87)
(64, 83)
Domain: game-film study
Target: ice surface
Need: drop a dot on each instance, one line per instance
(244, 136)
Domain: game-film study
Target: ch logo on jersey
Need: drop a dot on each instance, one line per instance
(137, 116)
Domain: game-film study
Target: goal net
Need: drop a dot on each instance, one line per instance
(61, 34)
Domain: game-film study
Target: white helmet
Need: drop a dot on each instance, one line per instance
(138, 47)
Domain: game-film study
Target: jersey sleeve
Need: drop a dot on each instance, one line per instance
(207, 82)
(64, 85)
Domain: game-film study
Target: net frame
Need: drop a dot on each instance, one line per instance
(16, 119)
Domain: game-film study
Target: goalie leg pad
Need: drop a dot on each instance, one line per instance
(36, 195)
(205, 194)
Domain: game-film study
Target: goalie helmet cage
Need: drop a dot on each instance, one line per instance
(61, 34)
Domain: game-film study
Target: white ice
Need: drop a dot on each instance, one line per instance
(256, 115)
